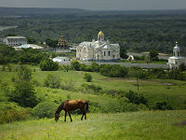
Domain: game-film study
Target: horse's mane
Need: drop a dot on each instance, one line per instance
(59, 108)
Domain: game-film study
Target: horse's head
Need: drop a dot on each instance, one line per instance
(56, 117)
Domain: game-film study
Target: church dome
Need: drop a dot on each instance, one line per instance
(177, 48)
(100, 33)
(100, 36)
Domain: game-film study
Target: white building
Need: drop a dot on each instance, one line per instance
(62, 60)
(15, 40)
(99, 50)
(26, 46)
(176, 60)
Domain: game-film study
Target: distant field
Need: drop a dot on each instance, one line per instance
(135, 126)
(172, 91)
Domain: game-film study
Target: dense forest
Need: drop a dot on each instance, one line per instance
(135, 31)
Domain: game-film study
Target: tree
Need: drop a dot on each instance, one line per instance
(75, 65)
(31, 40)
(49, 65)
(153, 55)
(123, 53)
(24, 93)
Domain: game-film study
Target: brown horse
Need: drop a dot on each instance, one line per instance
(70, 105)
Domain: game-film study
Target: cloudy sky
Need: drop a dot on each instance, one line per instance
(99, 4)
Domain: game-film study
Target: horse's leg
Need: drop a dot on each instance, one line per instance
(70, 116)
(65, 116)
(82, 114)
(85, 115)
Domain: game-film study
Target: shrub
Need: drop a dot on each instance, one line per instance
(91, 88)
(136, 98)
(67, 85)
(88, 77)
(75, 65)
(49, 65)
(113, 70)
(45, 109)
(13, 112)
(52, 81)
(162, 106)
(142, 107)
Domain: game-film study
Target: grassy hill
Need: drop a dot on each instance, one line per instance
(172, 91)
(106, 119)
(138, 125)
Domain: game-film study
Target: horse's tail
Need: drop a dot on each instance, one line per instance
(87, 107)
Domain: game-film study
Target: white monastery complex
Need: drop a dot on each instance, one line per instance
(176, 60)
(98, 50)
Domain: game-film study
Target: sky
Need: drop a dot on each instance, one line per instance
(99, 4)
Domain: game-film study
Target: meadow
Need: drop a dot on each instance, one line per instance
(104, 120)
(137, 125)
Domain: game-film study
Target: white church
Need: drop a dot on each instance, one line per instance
(98, 50)
(176, 60)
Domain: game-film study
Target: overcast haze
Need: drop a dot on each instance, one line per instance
(99, 4)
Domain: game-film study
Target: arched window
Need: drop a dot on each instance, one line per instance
(108, 53)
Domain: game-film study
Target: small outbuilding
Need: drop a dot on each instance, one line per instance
(62, 60)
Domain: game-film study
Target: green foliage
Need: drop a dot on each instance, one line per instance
(24, 93)
(153, 55)
(88, 77)
(113, 70)
(75, 65)
(123, 53)
(24, 56)
(13, 112)
(31, 40)
(49, 65)
(52, 81)
(91, 88)
(45, 109)
(52, 43)
(67, 84)
(136, 98)
(182, 67)
(95, 67)
(162, 106)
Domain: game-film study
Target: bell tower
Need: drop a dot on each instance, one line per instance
(176, 50)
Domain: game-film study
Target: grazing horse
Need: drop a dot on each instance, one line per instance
(70, 105)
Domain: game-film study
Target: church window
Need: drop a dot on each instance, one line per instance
(108, 53)
(104, 53)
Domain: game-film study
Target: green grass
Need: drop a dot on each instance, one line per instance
(138, 125)
(172, 91)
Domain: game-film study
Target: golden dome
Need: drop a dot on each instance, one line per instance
(100, 33)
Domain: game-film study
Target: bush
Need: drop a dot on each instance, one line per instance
(67, 85)
(162, 106)
(113, 70)
(91, 88)
(13, 112)
(49, 65)
(52, 81)
(88, 77)
(75, 65)
(45, 109)
(136, 98)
